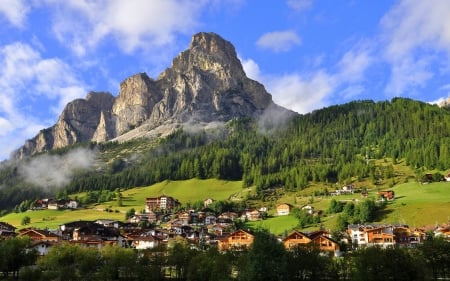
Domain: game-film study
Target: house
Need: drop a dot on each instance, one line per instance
(184, 218)
(143, 240)
(369, 235)
(443, 231)
(7, 230)
(96, 232)
(43, 247)
(52, 205)
(6, 227)
(109, 223)
(325, 244)
(309, 209)
(208, 201)
(251, 215)
(72, 204)
(447, 178)
(163, 202)
(296, 239)
(382, 236)
(215, 229)
(319, 239)
(228, 215)
(210, 219)
(239, 239)
(39, 235)
(387, 194)
(283, 209)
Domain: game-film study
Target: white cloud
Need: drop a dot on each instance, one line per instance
(407, 75)
(302, 94)
(279, 41)
(251, 68)
(299, 92)
(15, 11)
(353, 65)
(133, 24)
(48, 171)
(410, 30)
(299, 5)
(27, 79)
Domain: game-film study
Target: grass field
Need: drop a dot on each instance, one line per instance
(415, 205)
(419, 204)
(276, 225)
(185, 191)
(53, 218)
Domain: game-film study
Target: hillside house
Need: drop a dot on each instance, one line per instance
(160, 203)
(7, 230)
(325, 244)
(251, 215)
(240, 239)
(39, 235)
(387, 194)
(369, 235)
(296, 239)
(43, 247)
(207, 202)
(283, 209)
(143, 240)
(319, 239)
(447, 178)
(210, 219)
(309, 209)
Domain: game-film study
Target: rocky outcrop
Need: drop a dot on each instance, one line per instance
(205, 83)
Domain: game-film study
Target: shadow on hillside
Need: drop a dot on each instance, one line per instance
(128, 199)
(382, 214)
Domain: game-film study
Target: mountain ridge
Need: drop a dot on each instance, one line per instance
(204, 84)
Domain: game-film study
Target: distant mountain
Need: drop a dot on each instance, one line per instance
(205, 84)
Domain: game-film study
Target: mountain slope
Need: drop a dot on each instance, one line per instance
(358, 142)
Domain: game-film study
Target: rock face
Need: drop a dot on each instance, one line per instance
(205, 83)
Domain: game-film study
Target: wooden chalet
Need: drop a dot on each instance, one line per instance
(296, 239)
(387, 194)
(283, 209)
(240, 239)
(39, 235)
(319, 239)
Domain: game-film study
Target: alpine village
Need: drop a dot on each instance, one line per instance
(199, 175)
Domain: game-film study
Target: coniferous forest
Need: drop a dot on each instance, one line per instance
(333, 144)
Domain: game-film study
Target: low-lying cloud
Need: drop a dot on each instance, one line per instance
(54, 171)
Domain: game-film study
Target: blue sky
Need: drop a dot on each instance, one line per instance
(308, 53)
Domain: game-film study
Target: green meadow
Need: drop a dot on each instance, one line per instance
(415, 204)
(188, 191)
(419, 204)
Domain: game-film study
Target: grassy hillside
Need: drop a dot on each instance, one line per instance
(185, 191)
(419, 204)
(415, 204)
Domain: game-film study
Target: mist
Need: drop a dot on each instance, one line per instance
(273, 118)
(55, 171)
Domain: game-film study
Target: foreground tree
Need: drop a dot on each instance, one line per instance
(265, 260)
(375, 264)
(209, 265)
(70, 262)
(15, 253)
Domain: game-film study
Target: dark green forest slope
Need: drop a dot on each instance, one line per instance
(334, 144)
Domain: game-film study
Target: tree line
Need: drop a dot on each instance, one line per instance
(266, 259)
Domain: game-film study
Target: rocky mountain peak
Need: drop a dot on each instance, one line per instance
(206, 83)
